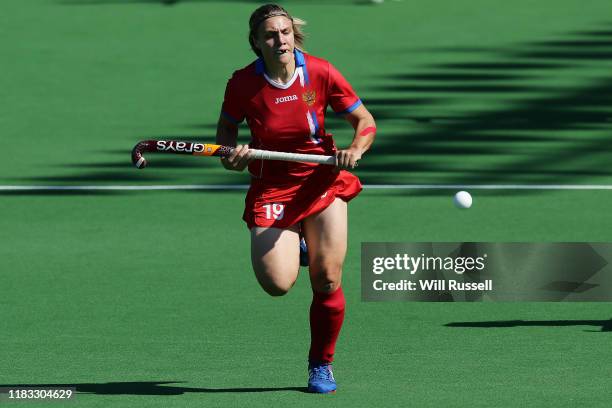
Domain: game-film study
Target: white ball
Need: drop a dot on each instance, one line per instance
(377, 1)
(462, 199)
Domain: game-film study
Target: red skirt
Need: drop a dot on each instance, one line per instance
(282, 205)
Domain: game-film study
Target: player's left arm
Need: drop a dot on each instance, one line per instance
(365, 132)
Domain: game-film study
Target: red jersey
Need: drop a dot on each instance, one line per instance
(291, 118)
(288, 117)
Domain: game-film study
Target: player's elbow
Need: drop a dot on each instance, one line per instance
(369, 119)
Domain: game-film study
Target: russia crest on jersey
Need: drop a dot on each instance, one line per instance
(309, 97)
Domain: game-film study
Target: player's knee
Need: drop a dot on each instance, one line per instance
(327, 278)
(326, 287)
(276, 288)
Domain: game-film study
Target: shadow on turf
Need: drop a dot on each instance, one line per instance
(117, 176)
(177, 2)
(533, 131)
(47, 193)
(76, 191)
(605, 325)
(150, 388)
(121, 171)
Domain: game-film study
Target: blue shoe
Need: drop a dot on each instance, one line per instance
(320, 378)
(303, 253)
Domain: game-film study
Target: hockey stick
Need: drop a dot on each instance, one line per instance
(203, 149)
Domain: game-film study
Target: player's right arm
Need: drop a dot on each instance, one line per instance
(232, 113)
(227, 135)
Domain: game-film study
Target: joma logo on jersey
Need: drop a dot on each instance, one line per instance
(286, 99)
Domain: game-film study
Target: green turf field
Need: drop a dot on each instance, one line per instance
(147, 298)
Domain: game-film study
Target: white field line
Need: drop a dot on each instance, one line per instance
(367, 186)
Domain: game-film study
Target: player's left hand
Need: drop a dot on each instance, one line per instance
(348, 158)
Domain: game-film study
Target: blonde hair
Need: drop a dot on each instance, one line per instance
(274, 10)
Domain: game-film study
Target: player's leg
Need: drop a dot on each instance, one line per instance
(275, 258)
(326, 235)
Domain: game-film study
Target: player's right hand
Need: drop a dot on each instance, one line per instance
(238, 159)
